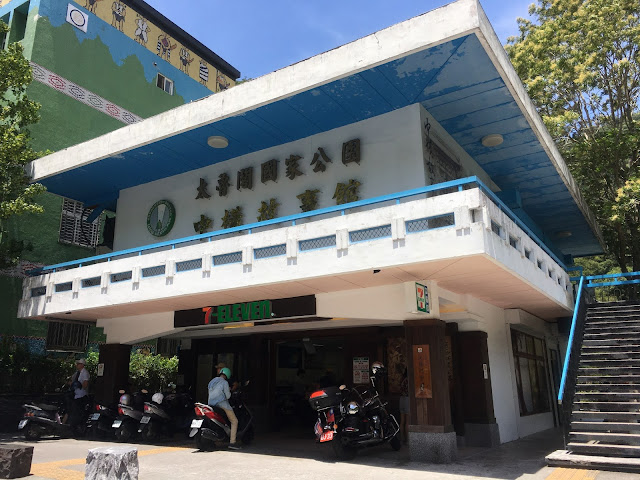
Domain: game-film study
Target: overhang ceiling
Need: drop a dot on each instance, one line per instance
(456, 81)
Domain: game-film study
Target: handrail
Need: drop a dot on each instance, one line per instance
(460, 183)
(567, 356)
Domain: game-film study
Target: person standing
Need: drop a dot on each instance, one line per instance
(219, 395)
(80, 389)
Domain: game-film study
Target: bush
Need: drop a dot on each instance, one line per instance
(152, 372)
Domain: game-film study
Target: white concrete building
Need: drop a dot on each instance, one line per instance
(457, 188)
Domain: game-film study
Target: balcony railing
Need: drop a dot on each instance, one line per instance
(431, 190)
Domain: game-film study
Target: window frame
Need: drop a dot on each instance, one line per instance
(73, 216)
(541, 404)
(162, 81)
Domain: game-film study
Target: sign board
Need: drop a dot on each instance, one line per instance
(77, 17)
(422, 371)
(262, 310)
(360, 370)
(100, 369)
(422, 298)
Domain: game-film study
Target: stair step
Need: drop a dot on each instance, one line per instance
(604, 449)
(564, 458)
(617, 329)
(608, 438)
(607, 387)
(607, 354)
(608, 379)
(613, 321)
(614, 370)
(608, 396)
(611, 336)
(609, 342)
(608, 362)
(609, 348)
(622, 427)
(615, 406)
(577, 415)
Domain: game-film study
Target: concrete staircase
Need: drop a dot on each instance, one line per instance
(605, 418)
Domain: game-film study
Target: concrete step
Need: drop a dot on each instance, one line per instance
(604, 406)
(631, 328)
(565, 458)
(593, 416)
(608, 379)
(607, 354)
(621, 427)
(607, 438)
(590, 362)
(613, 321)
(608, 387)
(618, 342)
(608, 450)
(608, 396)
(588, 348)
(612, 336)
(604, 371)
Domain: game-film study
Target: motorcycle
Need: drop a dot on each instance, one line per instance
(99, 423)
(46, 420)
(355, 418)
(130, 412)
(211, 425)
(165, 415)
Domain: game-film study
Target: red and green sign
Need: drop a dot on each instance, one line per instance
(238, 312)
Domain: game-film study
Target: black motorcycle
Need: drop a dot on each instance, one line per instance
(165, 416)
(211, 426)
(42, 419)
(354, 418)
(130, 412)
(99, 423)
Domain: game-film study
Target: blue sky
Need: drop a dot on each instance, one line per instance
(258, 37)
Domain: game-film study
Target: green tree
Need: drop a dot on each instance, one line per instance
(578, 60)
(152, 372)
(17, 196)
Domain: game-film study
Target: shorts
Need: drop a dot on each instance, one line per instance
(404, 405)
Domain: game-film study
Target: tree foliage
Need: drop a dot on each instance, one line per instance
(152, 372)
(17, 112)
(578, 60)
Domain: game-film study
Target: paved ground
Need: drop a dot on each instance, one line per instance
(297, 456)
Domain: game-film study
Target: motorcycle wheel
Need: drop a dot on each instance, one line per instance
(32, 433)
(204, 444)
(396, 442)
(248, 436)
(342, 451)
(149, 433)
(123, 434)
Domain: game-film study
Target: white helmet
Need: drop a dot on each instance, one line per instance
(157, 398)
(125, 399)
(377, 368)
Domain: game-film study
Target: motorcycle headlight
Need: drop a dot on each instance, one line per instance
(353, 408)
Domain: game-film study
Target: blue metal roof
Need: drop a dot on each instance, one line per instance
(455, 81)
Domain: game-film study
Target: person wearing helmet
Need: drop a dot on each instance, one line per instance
(219, 395)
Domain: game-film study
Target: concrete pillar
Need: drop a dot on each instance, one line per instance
(431, 434)
(481, 429)
(115, 358)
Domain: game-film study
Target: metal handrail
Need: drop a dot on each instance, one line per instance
(567, 356)
(460, 183)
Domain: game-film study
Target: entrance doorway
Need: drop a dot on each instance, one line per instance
(303, 366)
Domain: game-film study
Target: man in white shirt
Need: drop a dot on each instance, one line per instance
(80, 389)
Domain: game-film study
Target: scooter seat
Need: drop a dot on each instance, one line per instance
(48, 408)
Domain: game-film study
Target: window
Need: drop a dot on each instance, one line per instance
(513, 241)
(496, 228)
(165, 84)
(74, 228)
(540, 264)
(531, 373)
(167, 347)
(67, 337)
(527, 254)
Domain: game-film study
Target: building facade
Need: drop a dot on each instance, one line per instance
(97, 66)
(395, 199)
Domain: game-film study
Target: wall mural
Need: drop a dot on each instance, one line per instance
(126, 20)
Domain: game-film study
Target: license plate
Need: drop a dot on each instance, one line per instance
(145, 419)
(326, 436)
(196, 423)
(116, 424)
(22, 424)
(95, 416)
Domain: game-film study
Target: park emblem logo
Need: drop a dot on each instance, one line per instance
(161, 217)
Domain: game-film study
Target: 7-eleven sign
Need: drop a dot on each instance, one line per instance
(422, 298)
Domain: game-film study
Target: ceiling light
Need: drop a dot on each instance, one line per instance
(564, 234)
(492, 140)
(217, 141)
